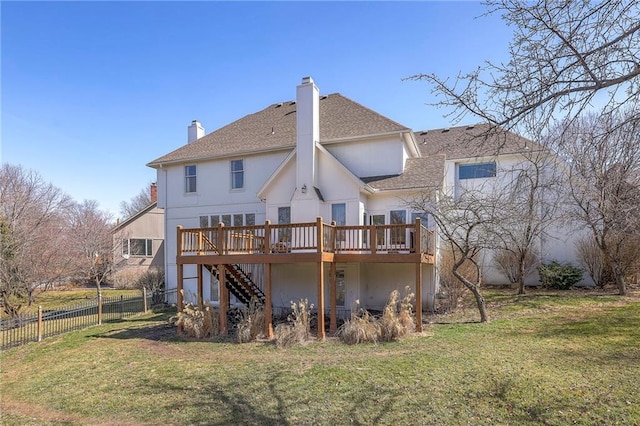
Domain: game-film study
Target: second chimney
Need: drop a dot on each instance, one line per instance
(154, 192)
(195, 131)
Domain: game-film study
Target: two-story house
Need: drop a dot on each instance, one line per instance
(305, 199)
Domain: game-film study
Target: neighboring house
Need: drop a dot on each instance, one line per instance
(139, 242)
(305, 199)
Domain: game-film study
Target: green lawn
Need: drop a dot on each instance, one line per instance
(546, 358)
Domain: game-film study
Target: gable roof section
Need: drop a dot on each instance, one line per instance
(425, 172)
(471, 141)
(274, 128)
(135, 216)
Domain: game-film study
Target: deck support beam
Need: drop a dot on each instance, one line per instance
(419, 297)
(200, 287)
(268, 306)
(224, 299)
(320, 277)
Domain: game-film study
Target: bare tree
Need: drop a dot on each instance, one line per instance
(33, 244)
(91, 231)
(603, 161)
(465, 224)
(564, 57)
(137, 203)
(531, 187)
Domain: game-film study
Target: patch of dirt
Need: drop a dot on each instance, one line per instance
(37, 413)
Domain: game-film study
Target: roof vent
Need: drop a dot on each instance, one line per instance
(292, 103)
(424, 133)
(470, 127)
(323, 97)
(445, 130)
(279, 104)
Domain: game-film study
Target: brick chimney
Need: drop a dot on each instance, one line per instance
(194, 131)
(154, 192)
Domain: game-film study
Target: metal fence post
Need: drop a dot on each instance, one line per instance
(121, 306)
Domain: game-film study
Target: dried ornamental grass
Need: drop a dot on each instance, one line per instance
(359, 328)
(298, 330)
(397, 320)
(198, 323)
(251, 326)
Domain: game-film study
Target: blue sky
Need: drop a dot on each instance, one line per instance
(92, 91)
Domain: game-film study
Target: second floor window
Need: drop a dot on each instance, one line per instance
(190, 178)
(237, 174)
(477, 170)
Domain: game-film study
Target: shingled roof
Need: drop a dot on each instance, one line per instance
(471, 141)
(425, 172)
(274, 128)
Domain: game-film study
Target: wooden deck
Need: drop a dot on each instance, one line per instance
(312, 242)
(306, 242)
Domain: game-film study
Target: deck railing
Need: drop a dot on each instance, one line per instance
(304, 237)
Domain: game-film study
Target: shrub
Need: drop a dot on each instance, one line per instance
(508, 263)
(451, 289)
(198, 323)
(153, 281)
(559, 276)
(591, 258)
(298, 328)
(252, 322)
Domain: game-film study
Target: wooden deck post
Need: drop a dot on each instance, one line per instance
(200, 286)
(180, 270)
(40, 323)
(321, 332)
(221, 240)
(268, 310)
(417, 238)
(373, 239)
(419, 296)
(100, 308)
(224, 299)
(267, 237)
(320, 234)
(333, 324)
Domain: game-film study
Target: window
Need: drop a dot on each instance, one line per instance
(137, 247)
(476, 170)
(284, 217)
(237, 174)
(250, 219)
(339, 216)
(204, 221)
(237, 219)
(226, 219)
(190, 179)
(378, 219)
(398, 235)
(424, 218)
